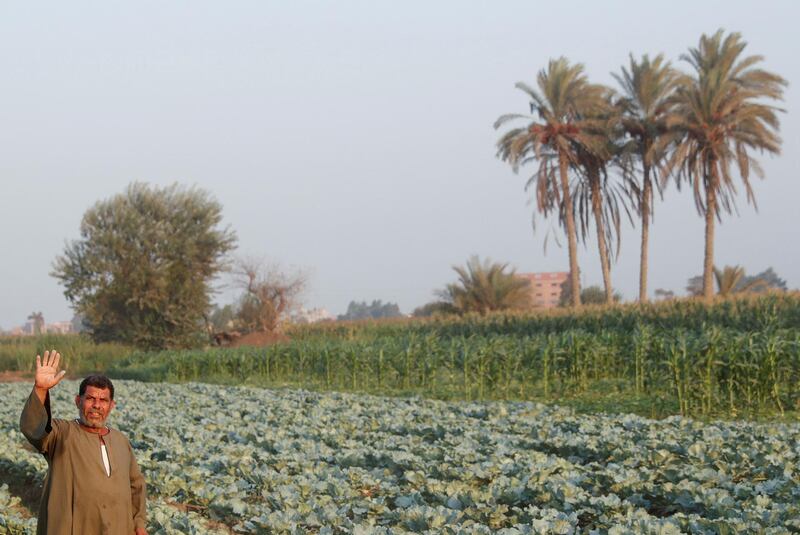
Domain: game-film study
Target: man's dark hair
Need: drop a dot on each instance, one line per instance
(97, 381)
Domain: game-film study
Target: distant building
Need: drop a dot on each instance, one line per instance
(59, 327)
(545, 288)
(312, 316)
(29, 328)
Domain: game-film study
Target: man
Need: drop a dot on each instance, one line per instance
(93, 483)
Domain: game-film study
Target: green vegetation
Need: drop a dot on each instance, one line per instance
(732, 358)
(721, 118)
(645, 105)
(375, 310)
(733, 280)
(80, 354)
(601, 154)
(140, 273)
(591, 295)
(243, 460)
(485, 286)
(562, 105)
(740, 313)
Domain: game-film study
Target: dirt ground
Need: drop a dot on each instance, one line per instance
(259, 339)
(15, 377)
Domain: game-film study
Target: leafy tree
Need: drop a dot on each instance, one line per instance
(222, 318)
(591, 295)
(721, 117)
(376, 310)
(694, 286)
(770, 281)
(141, 272)
(434, 308)
(486, 286)
(560, 123)
(648, 87)
(596, 295)
(666, 295)
(38, 322)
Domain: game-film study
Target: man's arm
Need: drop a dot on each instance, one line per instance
(138, 496)
(35, 420)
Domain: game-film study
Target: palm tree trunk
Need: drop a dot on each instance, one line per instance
(572, 239)
(601, 235)
(646, 195)
(711, 212)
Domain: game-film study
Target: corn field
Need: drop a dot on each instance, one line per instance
(17, 352)
(730, 358)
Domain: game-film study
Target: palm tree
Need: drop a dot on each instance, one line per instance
(731, 280)
(486, 286)
(647, 91)
(721, 117)
(38, 322)
(596, 194)
(556, 128)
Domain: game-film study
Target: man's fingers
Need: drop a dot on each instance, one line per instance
(60, 376)
(51, 358)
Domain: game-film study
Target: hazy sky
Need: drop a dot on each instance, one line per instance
(353, 139)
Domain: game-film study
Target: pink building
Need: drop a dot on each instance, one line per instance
(545, 287)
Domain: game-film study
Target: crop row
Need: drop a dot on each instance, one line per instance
(746, 313)
(17, 352)
(709, 371)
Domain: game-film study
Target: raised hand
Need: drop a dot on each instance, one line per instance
(47, 374)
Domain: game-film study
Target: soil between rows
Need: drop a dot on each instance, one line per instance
(15, 377)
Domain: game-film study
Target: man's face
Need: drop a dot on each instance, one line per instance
(94, 406)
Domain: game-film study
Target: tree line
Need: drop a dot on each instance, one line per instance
(601, 153)
(143, 269)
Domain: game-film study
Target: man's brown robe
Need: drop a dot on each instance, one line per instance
(78, 497)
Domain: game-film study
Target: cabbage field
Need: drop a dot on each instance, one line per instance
(246, 460)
